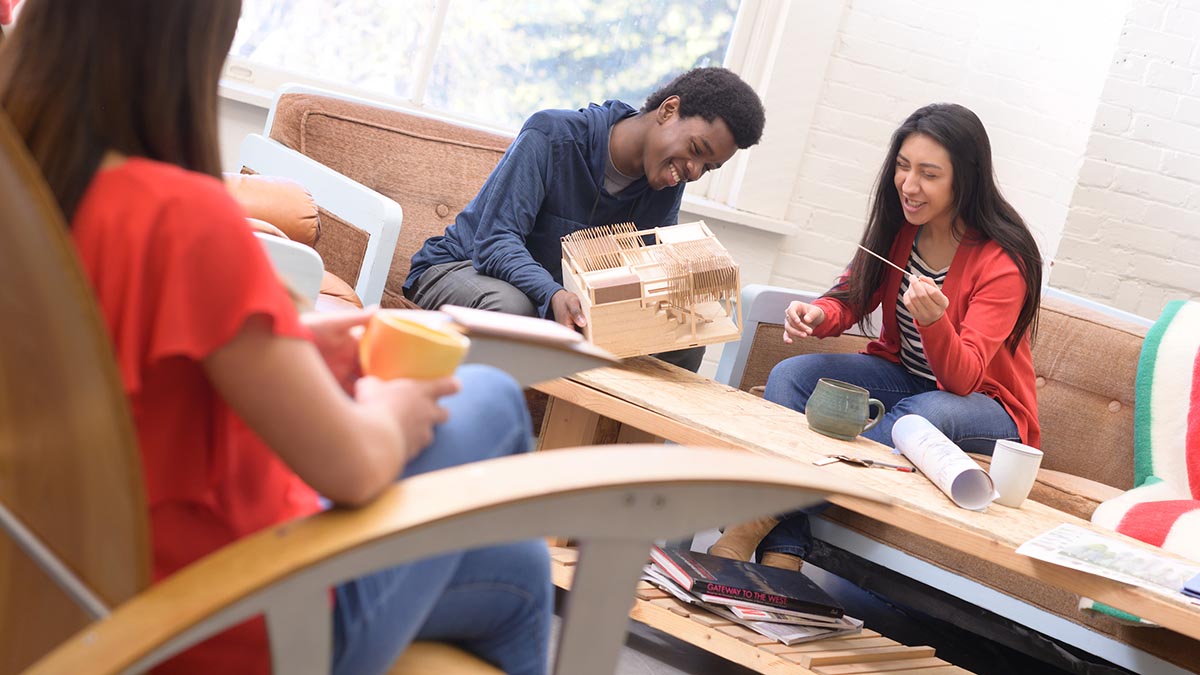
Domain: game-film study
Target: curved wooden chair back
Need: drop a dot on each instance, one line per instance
(70, 475)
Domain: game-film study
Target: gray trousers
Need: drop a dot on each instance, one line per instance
(457, 283)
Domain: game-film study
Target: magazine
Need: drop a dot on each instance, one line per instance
(787, 633)
(734, 582)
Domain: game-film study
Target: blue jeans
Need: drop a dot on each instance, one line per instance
(495, 602)
(974, 422)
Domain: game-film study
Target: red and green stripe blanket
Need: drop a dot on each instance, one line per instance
(1163, 508)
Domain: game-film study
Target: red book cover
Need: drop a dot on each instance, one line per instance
(704, 574)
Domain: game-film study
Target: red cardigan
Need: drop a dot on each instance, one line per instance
(965, 347)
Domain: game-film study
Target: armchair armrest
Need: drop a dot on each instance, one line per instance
(298, 265)
(616, 500)
(760, 304)
(350, 201)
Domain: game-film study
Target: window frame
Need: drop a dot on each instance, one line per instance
(753, 53)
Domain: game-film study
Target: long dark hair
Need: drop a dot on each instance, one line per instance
(138, 77)
(977, 202)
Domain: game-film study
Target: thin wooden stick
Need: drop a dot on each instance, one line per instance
(902, 270)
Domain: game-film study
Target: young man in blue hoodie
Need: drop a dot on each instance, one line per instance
(571, 169)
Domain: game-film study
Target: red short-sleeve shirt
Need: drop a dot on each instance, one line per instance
(177, 273)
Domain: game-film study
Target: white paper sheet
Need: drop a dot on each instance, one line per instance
(1081, 549)
(943, 462)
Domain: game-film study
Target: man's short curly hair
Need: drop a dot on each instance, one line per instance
(712, 93)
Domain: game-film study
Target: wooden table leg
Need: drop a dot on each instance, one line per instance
(566, 424)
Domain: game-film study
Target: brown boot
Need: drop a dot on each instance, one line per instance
(739, 541)
(784, 561)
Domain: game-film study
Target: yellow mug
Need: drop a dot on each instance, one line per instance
(397, 345)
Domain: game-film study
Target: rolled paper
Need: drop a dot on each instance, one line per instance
(943, 462)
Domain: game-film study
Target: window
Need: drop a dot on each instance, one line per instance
(494, 63)
(486, 61)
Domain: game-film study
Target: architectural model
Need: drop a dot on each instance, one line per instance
(654, 290)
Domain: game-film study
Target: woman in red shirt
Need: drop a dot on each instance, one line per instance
(240, 416)
(954, 346)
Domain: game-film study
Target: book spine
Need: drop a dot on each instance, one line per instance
(760, 598)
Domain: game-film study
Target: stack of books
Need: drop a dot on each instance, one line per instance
(780, 604)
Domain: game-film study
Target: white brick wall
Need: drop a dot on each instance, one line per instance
(1132, 238)
(1032, 70)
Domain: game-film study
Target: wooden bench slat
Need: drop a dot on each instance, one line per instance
(926, 666)
(860, 656)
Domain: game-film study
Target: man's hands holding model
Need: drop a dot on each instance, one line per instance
(567, 309)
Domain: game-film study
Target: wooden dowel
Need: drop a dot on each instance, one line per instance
(902, 270)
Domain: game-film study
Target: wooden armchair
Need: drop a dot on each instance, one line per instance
(76, 556)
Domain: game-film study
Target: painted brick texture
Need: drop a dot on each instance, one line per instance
(1132, 237)
(1034, 83)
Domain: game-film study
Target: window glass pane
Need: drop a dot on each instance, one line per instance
(367, 44)
(501, 61)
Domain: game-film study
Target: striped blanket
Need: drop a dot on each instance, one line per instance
(1164, 506)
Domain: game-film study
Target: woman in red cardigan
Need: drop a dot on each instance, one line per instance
(954, 346)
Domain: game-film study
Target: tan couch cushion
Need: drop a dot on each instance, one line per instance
(432, 168)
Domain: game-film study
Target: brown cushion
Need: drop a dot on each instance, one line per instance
(430, 167)
(281, 202)
(334, 287)
(1086, 365)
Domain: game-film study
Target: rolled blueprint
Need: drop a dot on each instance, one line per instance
(943, 462)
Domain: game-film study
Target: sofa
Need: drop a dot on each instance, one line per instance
(429, 166)
(1085, 359)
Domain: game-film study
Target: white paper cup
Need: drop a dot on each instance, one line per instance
(1014, 469)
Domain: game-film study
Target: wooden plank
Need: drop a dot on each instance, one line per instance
(738, 632)
(631, 434)
(651, 594)
(724, 646)
(834, 644)
(671, 605)
(946, 669)
(711, 620)
(687, 408)
(926, 666)
(833, 658)
(843, 641)
(566, 425)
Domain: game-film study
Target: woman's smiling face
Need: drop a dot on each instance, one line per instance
(682, 149)
(925, 180)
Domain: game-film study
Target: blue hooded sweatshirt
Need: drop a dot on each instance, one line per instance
(548, 184)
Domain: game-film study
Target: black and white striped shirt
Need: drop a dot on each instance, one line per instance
(912, 352)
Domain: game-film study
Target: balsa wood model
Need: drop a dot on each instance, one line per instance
(681, 291)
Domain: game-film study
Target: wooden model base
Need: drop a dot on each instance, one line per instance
(682, 291)
(862, 654)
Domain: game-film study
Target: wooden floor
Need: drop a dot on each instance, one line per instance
(862, 654)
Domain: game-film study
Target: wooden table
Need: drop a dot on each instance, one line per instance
(655, 398)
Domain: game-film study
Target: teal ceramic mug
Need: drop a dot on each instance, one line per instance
(840, 409)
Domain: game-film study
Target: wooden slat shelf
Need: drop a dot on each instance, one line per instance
(865, 653)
